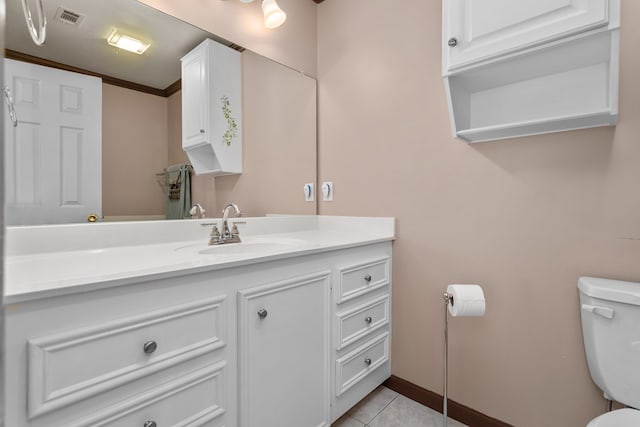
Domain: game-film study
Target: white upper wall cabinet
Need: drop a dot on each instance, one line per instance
(480, 29)
(212, 109)
(517, 68)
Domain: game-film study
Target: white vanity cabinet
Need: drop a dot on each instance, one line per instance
(476, 30)
(517, 68)
(212, 109)
(283, 343)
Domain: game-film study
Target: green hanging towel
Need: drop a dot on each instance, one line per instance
(177, 180)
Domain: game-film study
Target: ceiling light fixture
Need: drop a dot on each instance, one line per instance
(273, 15)
(128, 43)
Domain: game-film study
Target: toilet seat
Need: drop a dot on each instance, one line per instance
(619, 418)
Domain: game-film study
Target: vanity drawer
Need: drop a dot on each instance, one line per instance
(195, 399)
(361, 278)
(356, 365)
(68, 367)
(362, 320)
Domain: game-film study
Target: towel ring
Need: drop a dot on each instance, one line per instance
(37, 35)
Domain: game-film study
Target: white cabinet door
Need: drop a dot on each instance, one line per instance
(195, 103)
(53, 157)
(284, 353)
(479, 29)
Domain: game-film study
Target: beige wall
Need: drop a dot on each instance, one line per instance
(293, 44)
(279, 141)
(174, 129)
(279, 149)
(134, 149)
(524, 218)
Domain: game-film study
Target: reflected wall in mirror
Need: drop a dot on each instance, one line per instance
(141, 118)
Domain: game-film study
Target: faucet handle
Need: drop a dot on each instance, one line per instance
(214, 235)
(234, 230)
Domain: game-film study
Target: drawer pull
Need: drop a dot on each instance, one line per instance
(367, 361)
(367, 278)
(262, 313)
(150, 424)
(368, 319)
(149, 347)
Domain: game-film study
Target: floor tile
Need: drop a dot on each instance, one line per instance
(347, 421)
(404, 412)
(370, 406)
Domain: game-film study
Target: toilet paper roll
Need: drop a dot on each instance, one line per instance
(467, 300)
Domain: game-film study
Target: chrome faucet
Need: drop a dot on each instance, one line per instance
(226, 236)
(197, 208)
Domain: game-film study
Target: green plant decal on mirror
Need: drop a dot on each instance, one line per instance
(232, 129)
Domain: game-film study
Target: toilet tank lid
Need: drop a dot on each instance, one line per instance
(610, 290)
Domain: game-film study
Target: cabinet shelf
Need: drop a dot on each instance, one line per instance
(566, 85)
(536, 127)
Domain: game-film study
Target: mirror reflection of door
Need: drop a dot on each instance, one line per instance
(53, 155)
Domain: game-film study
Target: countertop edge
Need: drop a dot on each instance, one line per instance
(177, 271)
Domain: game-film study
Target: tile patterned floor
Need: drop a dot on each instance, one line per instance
(386, 408)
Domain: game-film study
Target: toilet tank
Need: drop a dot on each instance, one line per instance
(610, 312)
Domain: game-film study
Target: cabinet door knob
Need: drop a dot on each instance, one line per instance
(150, 346)
(368, 319)
(367, 278)
(367, 361)
(201, 130)
(453, 42)
(150, 424)
(262, 313)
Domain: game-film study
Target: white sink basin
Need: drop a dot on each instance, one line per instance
(242, 248)
(250, 247)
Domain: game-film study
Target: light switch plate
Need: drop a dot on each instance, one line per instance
(327, 191)
(309, 192)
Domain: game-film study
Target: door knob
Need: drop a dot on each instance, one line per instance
(453, 42)
(262, 313)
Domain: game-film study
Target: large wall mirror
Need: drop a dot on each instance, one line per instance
(140, 120)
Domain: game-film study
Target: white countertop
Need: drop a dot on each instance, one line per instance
(47, 261)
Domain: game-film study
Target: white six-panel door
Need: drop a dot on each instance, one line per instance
(53, 158)
(485, 28)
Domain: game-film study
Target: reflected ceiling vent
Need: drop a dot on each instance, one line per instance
(68, 16)
(236, 47)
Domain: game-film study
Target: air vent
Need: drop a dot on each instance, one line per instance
(236, 47)
(68, 16)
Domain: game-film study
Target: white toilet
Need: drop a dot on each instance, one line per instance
(610, 311)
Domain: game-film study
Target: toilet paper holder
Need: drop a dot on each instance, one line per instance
(470, 302)
(448, 299)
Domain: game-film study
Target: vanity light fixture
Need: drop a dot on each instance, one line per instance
(125, 42)
(273, 15)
